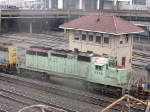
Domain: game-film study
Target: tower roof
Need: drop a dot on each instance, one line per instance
(109, 24)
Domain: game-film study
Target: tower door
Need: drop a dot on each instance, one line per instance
(123, 61)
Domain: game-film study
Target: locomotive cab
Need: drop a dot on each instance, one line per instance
(108, 76)
(108, 71)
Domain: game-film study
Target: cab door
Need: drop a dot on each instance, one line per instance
(97, 73)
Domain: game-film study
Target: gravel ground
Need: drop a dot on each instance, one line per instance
(51, 98)
(8, 105)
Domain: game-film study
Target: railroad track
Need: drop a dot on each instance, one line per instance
(27, 100)
(142, 55)
(101, 101)
(138, 66)
(2, 110)
(142, 60)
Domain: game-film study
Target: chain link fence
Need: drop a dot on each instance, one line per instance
(141, 43)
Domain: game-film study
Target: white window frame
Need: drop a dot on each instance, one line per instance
(83, 33)
(127, 36)
(106, 36)
(92, 34)
(97, 34)
(121, 40)
(76, 37)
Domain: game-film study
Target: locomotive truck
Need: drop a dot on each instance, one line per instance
(96, 72)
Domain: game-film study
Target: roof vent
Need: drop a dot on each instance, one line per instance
(98, 19)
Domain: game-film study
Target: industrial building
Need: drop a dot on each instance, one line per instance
(81, 4)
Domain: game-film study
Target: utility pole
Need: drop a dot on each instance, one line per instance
(99, 5)
(0, 19)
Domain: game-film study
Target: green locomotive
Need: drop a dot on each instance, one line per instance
(96, 72)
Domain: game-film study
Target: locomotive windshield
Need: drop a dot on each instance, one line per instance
(97, 67)
(112, 63)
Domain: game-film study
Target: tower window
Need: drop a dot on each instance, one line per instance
(123, 61)
(76, 35)
(98, 39)
(121, 40)
(90, 37)
(127, 38)
(106, 40)
(84, 37)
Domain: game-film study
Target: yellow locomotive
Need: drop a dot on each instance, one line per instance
(8, 57)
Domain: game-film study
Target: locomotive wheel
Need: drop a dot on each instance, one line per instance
(132, 92)
(22, 71)
(18, 71)
(46, 77)
(136, 94)
(90, 86)
(144, 95)
(119, 92)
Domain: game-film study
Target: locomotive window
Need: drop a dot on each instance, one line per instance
(98, 67)
(31, 52)
(3, 49)
(106, 66)
(110, 63)
(83, 58)
(42, 54)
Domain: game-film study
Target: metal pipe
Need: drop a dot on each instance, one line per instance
(114, 103)
(128, 100)
(148, 106)
(0, 18)
(42, 107)
(122, 98)
(137, 100)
